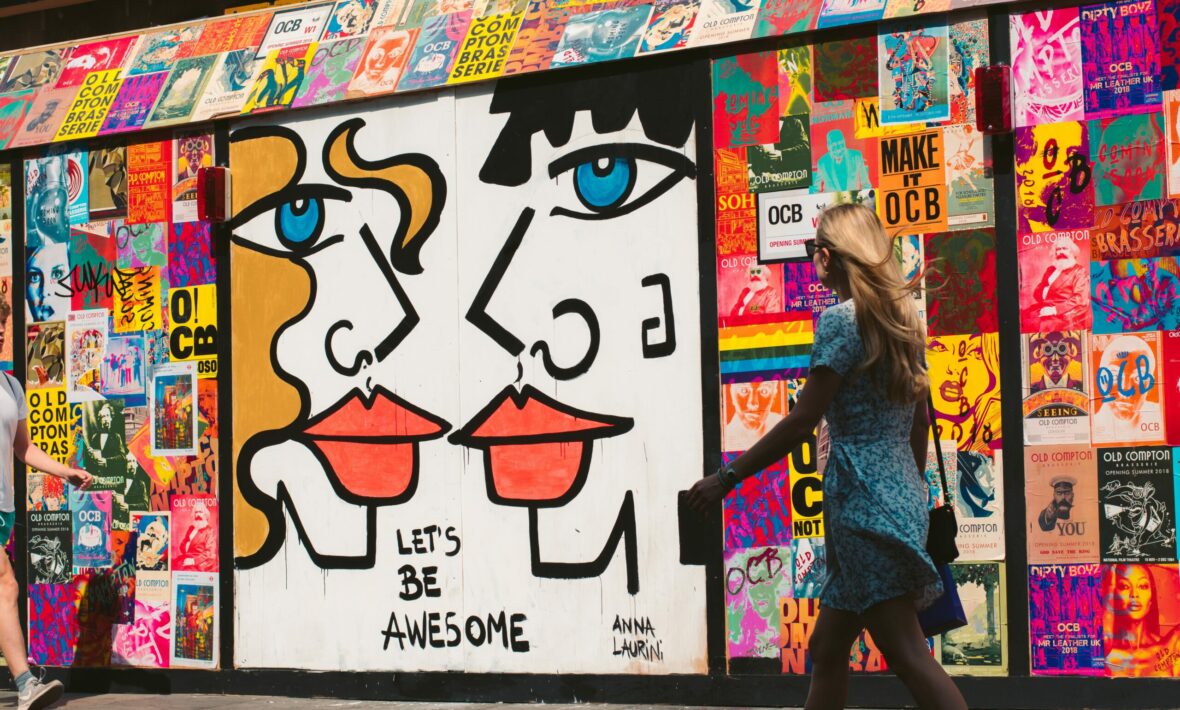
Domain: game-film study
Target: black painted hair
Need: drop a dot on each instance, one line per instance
(662, 96)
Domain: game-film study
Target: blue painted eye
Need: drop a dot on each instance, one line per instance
(299, 222)
(604, 183)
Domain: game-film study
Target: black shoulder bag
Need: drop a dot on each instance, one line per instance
(940, 540)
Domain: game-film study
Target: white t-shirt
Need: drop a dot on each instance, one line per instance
(12, 410)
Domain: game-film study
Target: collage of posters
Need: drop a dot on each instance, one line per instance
(324, 52)
(798, 130)
(119, 278)
(1100, 343)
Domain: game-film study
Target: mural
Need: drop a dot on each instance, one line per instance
(469, 398)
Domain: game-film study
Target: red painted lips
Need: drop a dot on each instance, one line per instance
(536, 449)
(371, 444)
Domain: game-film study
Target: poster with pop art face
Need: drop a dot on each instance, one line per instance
(1056, 394)
(965, 385)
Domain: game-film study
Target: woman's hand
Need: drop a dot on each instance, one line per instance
(705, 493)
(78, 478)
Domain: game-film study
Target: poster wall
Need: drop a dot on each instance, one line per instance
(105, 396)
(1098, 314)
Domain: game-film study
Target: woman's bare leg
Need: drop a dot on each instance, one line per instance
(830, 644)
(895, 629)
(12, 639)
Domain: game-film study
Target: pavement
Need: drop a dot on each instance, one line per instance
(239, 702)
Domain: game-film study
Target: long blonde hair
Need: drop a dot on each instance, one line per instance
(886, 316)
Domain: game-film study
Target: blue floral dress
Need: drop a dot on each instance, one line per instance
(875, 498)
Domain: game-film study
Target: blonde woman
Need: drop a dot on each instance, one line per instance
(868, 376)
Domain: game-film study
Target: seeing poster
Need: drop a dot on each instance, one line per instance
(1056, 404)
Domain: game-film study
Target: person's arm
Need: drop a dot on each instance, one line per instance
(33, 455)
(799, 423)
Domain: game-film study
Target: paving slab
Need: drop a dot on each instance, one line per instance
(240, 702)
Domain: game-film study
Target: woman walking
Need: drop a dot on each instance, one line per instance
(32, 693)
(868, 375)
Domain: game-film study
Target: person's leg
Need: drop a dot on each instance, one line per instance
(12, 639)
(830, 644)
(895, 629)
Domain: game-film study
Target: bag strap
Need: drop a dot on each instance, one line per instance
(946, 496)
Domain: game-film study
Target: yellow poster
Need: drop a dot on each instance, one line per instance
(90, 106)
(912, 196)
(807, 491)
(867, 121)
(192, 330)
(137, 299)
(51, 419)
(482, 54)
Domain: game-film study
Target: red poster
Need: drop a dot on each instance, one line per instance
(1170, 354)
(745, 100)
(149, 190)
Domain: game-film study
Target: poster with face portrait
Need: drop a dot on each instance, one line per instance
(1129, 158)
(965, 386)
(1141, 614)
(1055, 177)
(977, 488)
(1065, 619)
(1130, 295)
(749, 410)
(1061, 490)
(670, 26)
(746, 288)
(382, 62)
(840, 161)
(1056, 404)
(1054, 281)
(194, 533)
(1136, 494)
(1046, 67)
(1126, 390)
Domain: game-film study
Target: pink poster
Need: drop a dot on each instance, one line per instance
(1046, 67)
(1055, 281)
(194, 533)
(1065, 619)
(144, 642)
